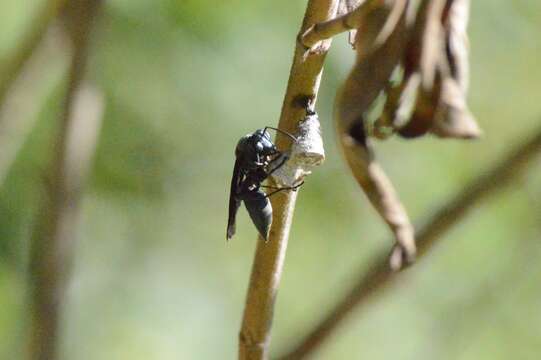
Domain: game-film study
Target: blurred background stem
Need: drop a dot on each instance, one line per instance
(20, 107)
(379, 276)
(56, 225)
(31, 39)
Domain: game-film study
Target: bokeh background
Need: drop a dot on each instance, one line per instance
(153, 277)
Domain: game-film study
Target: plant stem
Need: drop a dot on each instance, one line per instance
(337, 25)
(55, 230)
(302, 88)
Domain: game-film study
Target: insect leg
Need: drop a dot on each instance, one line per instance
(269, 187)
(282, 158)
(294, 188)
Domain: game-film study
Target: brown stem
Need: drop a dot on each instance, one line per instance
(302, 88)
(340, 24)
(380, 277)
(54, 233)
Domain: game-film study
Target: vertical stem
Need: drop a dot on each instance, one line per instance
(303, 85)
(54, 233)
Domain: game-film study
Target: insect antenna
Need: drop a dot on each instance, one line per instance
(281, 131)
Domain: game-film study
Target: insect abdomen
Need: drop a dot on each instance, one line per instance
(260, 210)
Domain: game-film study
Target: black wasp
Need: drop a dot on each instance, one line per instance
(256, 159)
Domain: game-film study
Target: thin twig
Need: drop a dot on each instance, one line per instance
(303, 85)
(380, 277)
(339, 24)
(55, 229)
(31, 39)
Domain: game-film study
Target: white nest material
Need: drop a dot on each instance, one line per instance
(306, 153)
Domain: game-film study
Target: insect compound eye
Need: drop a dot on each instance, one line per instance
(272, 149)
(259, 146)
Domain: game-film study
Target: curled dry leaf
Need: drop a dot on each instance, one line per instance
(429, 43)
(379, 51)
(435, 76)
(456, 15)
(453, 118)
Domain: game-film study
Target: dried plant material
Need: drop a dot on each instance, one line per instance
(379, 51)
(383, 126)
(381, 193)
(453, 119)
(399, 107)
(432, 40)
(421, 115)
(345, 7)
(349, 21)
(427, 40)
(456, 17)
(416, 108)
(410, 106)
(429, 43)
(435, 39)
(435, 76)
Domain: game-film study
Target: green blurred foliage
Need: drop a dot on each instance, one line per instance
(153, 276)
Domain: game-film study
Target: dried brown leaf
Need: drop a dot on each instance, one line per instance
(453, 118)
(433, 38)
(457, 44)
(417, 121)
(379, 51)
(438, 52)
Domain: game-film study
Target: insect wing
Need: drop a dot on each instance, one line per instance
(234, 201)
(260, 210)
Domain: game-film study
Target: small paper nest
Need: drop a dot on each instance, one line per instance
(306, 153)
